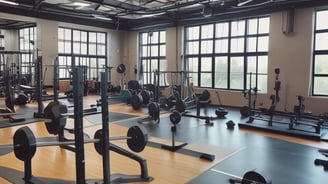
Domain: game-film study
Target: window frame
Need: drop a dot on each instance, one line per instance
(228, 54)
(317, 53)
(68, 57)
(146, 60)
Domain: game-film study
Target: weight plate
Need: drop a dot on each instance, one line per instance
(120, 68)
(145, 96)
(260, 177)
(24, 144)
(175, 117)
(53, 112)
(138, 138)
(136, 101)
(98, 145)
(154, 110)
(180, 106)
(125, 95)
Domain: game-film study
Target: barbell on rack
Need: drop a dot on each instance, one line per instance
(24, 141)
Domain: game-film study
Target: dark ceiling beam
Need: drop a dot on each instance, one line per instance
(60, 17)
(118, 4)
(224, 14)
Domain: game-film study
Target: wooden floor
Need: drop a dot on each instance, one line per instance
(166, 167)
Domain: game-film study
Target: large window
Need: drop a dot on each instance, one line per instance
(27, 38)
(320, 54)
(83, 48)
(152, 55)
(2, 40)
(224, 55)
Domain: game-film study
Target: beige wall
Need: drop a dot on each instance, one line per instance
(289, 52)
(292, 53)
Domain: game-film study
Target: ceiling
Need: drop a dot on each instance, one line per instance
(147, 14)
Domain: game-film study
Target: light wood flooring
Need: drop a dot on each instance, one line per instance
(166, 167)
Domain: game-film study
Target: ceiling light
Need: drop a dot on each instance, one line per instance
(152, 15)
(243, 3)
(102, 17)
(9, 2)
(81, 4)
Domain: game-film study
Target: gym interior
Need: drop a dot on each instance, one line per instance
(187, 91)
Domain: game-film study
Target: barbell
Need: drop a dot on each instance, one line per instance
(24, 141)
(250, 177)
(56, 114)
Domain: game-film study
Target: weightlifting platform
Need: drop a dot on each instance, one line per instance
(299, 130)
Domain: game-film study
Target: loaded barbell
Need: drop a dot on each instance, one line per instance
(250, 177)
(24, 141)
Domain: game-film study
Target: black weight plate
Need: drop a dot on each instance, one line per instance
(154, 110)
(138, 138)
(133, 85)
(171, 100)
(24, 144)
(120, 68)
(145, 96)
(136, 101)
(175, 117)
(53, 112)
(180, 106)
(221, 112)
(98, 145)
(259, 177)
(21, 99)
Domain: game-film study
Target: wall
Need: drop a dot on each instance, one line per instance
(47, 43)
(47, 47)
(292, 53)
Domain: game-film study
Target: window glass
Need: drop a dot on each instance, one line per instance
(236, 47)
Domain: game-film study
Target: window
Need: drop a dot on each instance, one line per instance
(2, 41)
(223, 55)
(320, 55)
(152, 55)
(82, 48)
(27, 38)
